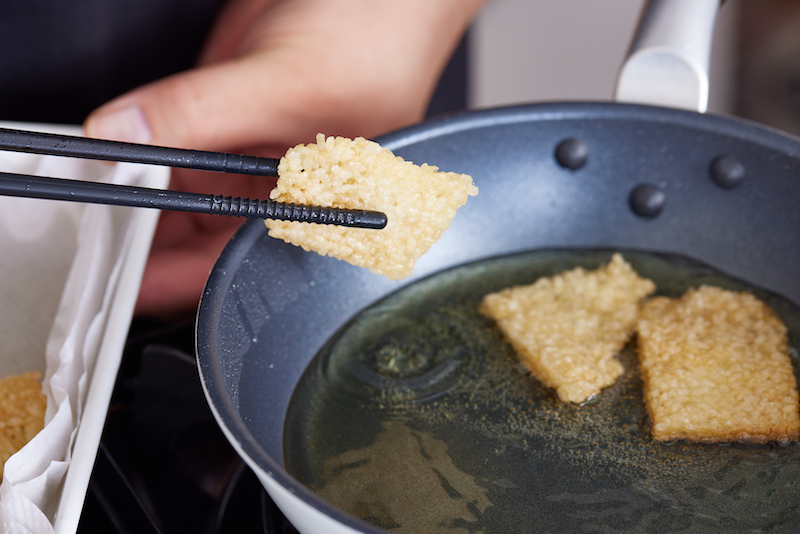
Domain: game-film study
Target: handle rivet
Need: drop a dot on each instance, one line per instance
(647, 200)
(572, 153)
(727, 172)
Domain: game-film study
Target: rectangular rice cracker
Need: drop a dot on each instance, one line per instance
(568, 329)
(716, 368)
(418, 200)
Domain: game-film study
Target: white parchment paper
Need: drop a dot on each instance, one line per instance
(69, 274)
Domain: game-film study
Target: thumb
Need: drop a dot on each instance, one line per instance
(194, 109)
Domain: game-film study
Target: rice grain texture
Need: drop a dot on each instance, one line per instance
(419, 202)
(567, 329)
(716, 368)
(22, 407)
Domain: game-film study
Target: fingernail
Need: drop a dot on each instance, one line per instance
(128, 125)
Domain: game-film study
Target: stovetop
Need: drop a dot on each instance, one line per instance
(163, 465)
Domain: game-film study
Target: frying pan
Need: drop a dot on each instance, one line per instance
(719, 190)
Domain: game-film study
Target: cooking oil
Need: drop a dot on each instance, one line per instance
(417, 417)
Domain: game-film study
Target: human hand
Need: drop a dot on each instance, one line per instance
(273, 74)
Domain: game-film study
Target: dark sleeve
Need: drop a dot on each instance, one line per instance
(60, 59)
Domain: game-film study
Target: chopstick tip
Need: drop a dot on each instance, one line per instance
(375, 220)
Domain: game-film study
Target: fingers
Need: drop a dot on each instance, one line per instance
(296, 74)
(179, 264)
(165, 296)
(213, 108)
(193, 109)
(232, 24)
(265, 99)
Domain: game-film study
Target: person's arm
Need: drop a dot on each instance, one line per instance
(273, 74)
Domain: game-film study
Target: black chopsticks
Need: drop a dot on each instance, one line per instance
(22, 185)
(87, 148)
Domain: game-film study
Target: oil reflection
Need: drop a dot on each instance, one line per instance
(406, 482)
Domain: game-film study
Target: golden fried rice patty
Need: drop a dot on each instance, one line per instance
(419, 202)
(22, 407)
(567, 329)
(715, 367)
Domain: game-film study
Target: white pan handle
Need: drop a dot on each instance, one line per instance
(667, 64)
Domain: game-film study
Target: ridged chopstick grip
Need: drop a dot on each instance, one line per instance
(268, 209)
(23, 185)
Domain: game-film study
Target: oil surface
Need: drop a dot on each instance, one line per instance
(417, 417)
